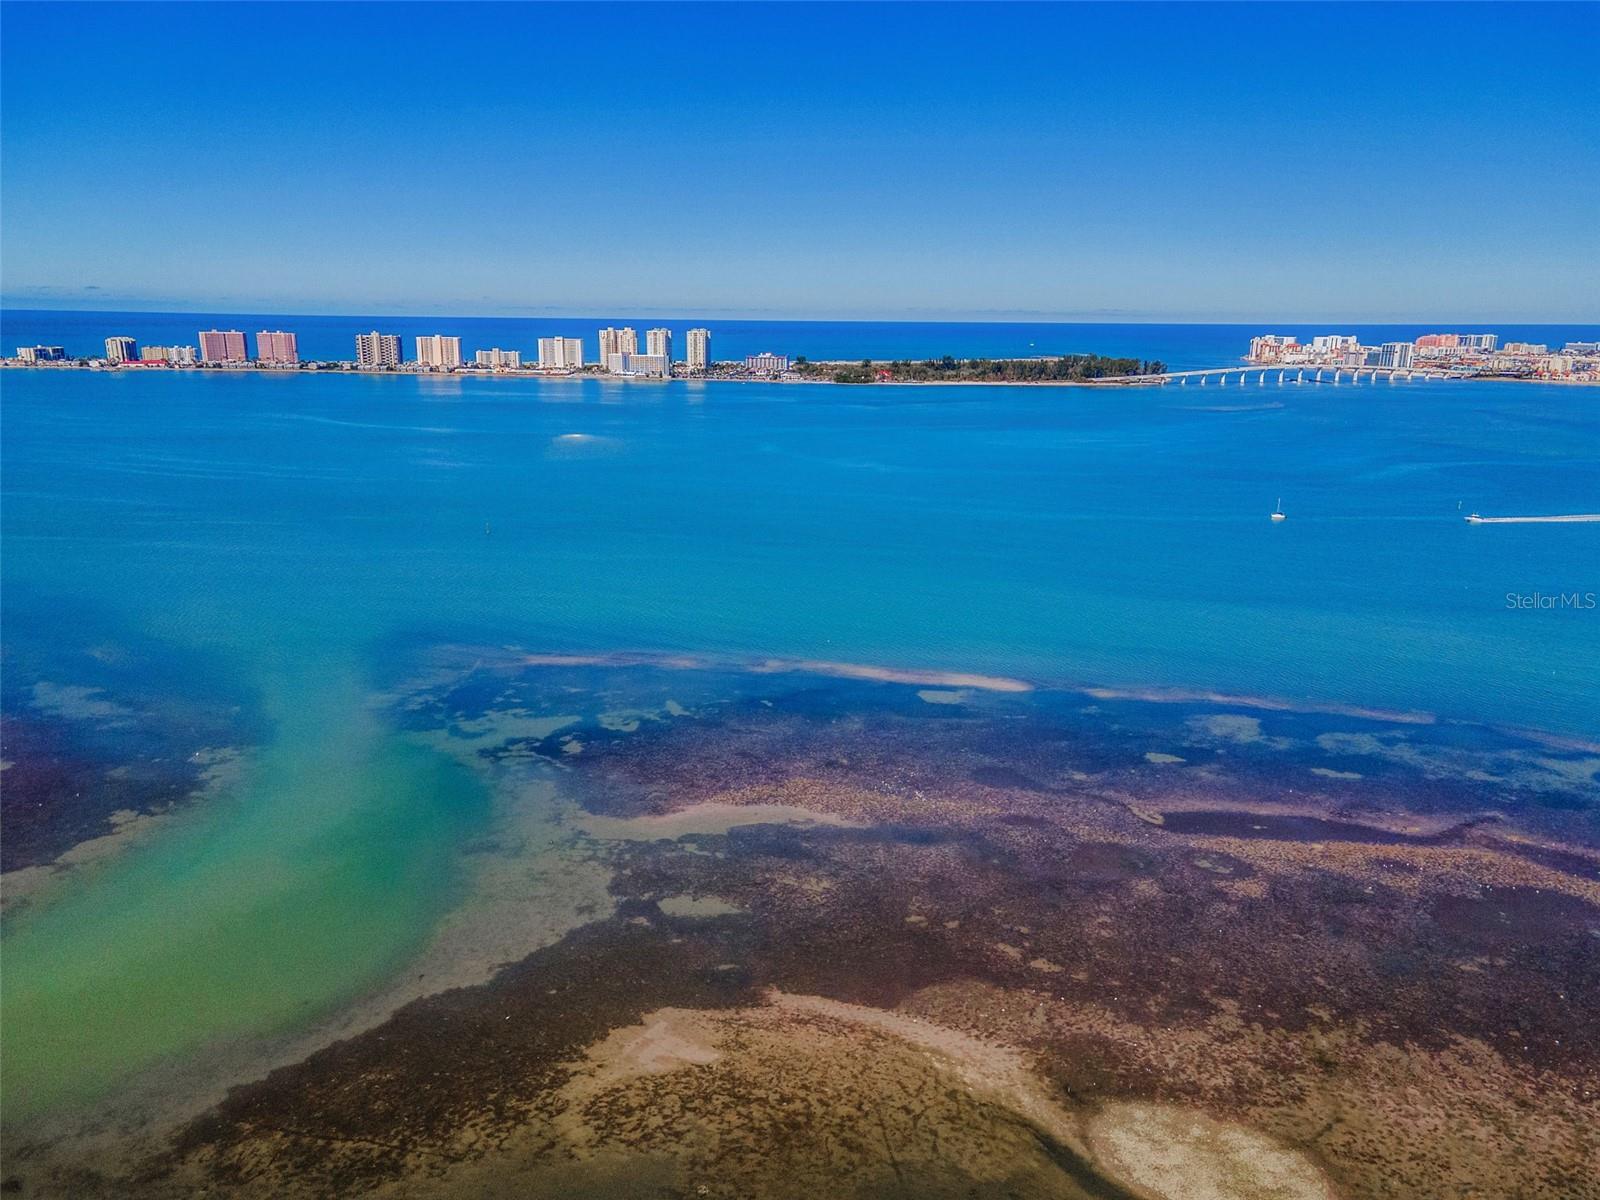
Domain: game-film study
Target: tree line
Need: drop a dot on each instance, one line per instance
(1067, 368)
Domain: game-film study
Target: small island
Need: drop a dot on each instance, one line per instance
(1066, 368)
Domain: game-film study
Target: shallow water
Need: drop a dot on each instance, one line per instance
(292, 528)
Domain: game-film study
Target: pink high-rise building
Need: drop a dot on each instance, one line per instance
(222, 345)
(276, 348)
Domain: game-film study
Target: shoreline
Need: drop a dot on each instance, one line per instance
(300, 371)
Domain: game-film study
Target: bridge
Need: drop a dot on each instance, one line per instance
(1222, 376)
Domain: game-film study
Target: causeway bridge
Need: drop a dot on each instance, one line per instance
(1277, 374)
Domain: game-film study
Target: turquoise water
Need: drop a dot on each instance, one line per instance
(292, 526)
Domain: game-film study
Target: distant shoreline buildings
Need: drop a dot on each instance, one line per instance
(222, 346)
(698, 345)
(497, 359)
(560, 354)
(277, 348)
(177, 356)
(1464, 354)
(377, 350)
(439, 352)
(1461, 355)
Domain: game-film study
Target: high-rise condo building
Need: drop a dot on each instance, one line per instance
(41, 354)
(659, 341)
(222, 345)
(278, 347)
(121, 349)
(1395, 354)
(699, 349)
(1479, 341)
(377, 349)
(498, 358)
(560, 353)
(618, 341)
(439, 351)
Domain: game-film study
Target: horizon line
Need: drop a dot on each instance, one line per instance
(981, 317)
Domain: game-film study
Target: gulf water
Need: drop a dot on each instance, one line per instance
(293, 525)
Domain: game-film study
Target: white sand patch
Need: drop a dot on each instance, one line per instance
(987, 1068)
(1162, 759)
(712, 818)
(1179, 1154)
(844, 670)
(937, 696)
(669, 1040)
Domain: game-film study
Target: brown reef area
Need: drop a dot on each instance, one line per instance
(906, 935)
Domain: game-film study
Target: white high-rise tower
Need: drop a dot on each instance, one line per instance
(699, 349)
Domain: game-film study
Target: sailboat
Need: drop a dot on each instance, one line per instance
(1277, 513)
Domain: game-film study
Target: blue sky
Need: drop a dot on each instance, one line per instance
(1140, 161)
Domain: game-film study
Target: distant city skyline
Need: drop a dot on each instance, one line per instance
(1077, 162)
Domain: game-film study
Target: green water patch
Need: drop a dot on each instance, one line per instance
(254, 916)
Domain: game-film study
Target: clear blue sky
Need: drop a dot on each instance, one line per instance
(1122, 162)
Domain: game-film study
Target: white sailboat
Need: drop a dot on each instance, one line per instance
(1278, 513)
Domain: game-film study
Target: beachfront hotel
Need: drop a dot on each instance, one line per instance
(659, 341)
(498, 359)
(639, 366)
(222, 345)
(277, 347)
(560, 353)
(698, 348)
(618, 341)
(121, 350)
(439, 351)
(766, 363)
(181, 356)
(37, 354)
(377, 349)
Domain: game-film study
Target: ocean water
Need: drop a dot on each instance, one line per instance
(290, 527)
